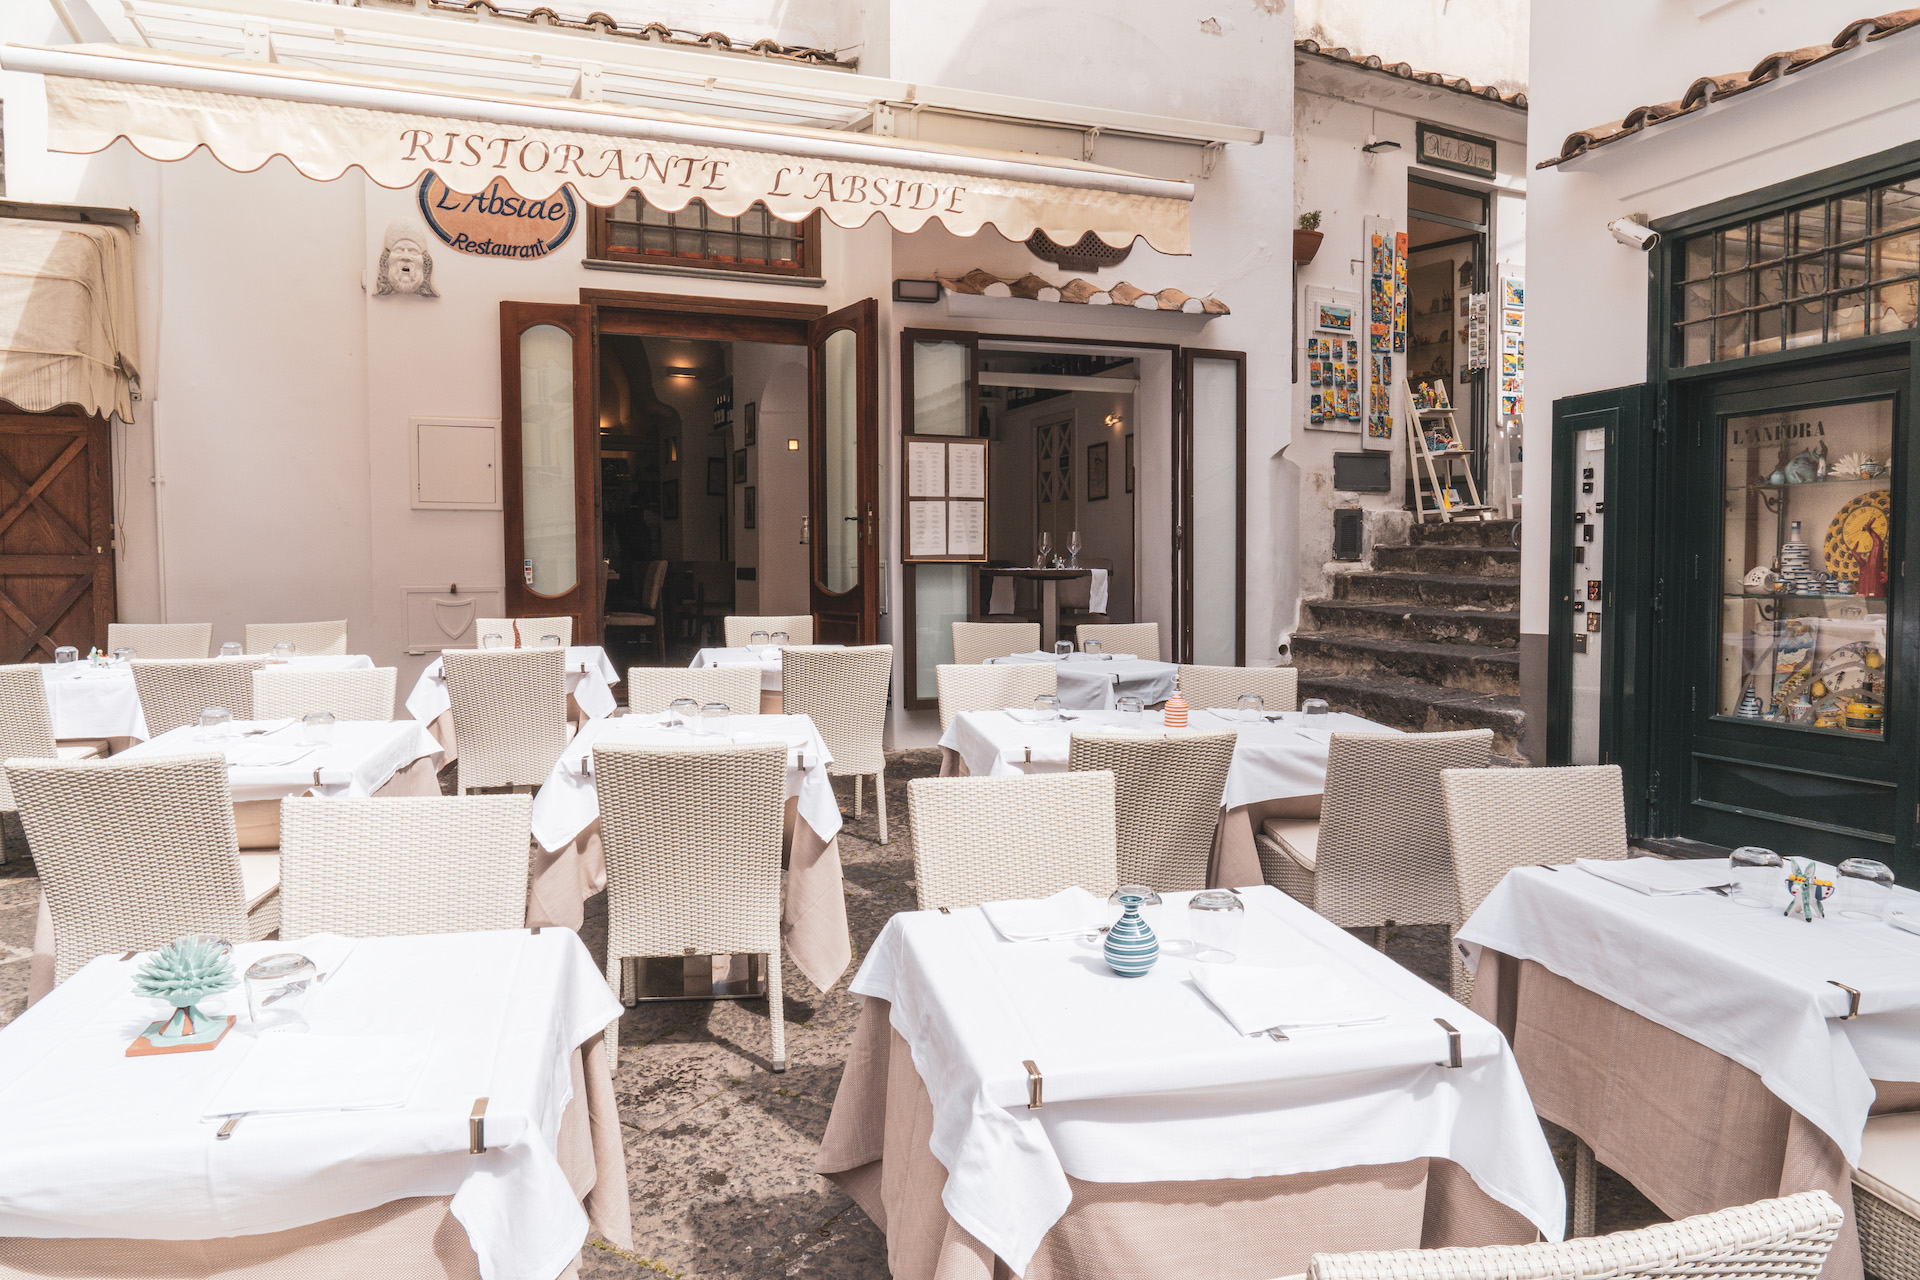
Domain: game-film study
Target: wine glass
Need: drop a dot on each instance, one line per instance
(1866, 891)
(1215, 917)
(1073, 549)
(1757, 871)
(1132, 708)
(1046, 549)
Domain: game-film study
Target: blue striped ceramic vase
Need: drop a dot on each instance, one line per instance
(1131, 947)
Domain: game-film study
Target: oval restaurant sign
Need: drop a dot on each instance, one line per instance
(497, 223)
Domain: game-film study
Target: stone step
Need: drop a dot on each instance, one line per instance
(1468, 561)
(1474, 668)
(1420, 707)
(1464, 533)
(1430, 589)
(1498, 629)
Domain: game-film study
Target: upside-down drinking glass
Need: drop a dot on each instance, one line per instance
(1063, 648)
(231, 649)
(1215, 917)
(1132, 709)
(66, 653)
(283, 651)
(685, 711)
(1091, 646)
(124, 655)
(1251, 702)
(713, 719)
(493, 640)
(279, 989)
(1314, 707)
(1865, 891)
(781, 637)
(316, 728)
(1048, 705)
(215, 723)
(1757, 872)
(759, 640)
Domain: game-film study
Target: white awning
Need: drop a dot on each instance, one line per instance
(66, 317)
(325, 123)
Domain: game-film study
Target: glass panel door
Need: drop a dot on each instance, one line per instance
(551, 565)
(1212, 523)
(549, 451)
(843, 369)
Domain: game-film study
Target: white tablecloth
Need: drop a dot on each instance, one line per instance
(1093, 682)
(100, 1145)
(100, 702)
(1096, 602)
(1145, 1081)
(359, 760)
(1271, 761)
(765, 657)
(568, 803)
(1746, 982)
(589, 675)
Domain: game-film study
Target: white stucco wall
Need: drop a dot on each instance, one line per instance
(1587, 295)
(1483, 40)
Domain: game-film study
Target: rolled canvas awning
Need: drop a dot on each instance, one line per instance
(66, 317)
(324, 124)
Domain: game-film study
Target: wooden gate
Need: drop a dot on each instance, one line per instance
(56, 521)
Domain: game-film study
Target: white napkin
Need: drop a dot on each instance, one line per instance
(1255, 999)
(323, 1073)
(1904, 920)
(1002, 598)
(1237, 716)
(1027, 715)
(1659, 877)
(1097, 591)
(267, 755)
(1067, 914)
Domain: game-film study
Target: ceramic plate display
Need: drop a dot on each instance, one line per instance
(1847, 535)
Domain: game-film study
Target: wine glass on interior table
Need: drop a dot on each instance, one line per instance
(1046, 549)
(1073, 549)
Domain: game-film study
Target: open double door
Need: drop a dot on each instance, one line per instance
(549, 377)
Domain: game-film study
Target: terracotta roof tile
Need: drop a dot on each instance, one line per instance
(1710, 89)
(658, 32)
(1373, 62)
(1081, 292)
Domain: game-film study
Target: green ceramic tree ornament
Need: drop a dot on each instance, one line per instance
(183, 973)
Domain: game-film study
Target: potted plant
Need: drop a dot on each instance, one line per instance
(1306, 238)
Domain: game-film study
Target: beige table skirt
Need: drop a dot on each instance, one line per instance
(257, 822)
(417, 1238)
(1693, 1130)
(875, 1148)
(813, 906)
(1235, 863)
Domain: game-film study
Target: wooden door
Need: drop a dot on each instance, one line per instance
(56, 534)
(843, 373)
(550, 456)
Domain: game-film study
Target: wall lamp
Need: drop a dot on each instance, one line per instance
(1375, 146)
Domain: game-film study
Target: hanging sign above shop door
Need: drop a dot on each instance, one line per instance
(496, 222)
(1451, 149)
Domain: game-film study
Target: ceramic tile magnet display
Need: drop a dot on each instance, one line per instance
(1386, 324)
(1334, 319)
(1513, 309)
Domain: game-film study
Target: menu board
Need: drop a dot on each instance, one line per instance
(945, 484)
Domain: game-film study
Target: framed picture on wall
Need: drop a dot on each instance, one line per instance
(749, 508)
(717, 477)
(752, 414)
(739, 466)
(1129, 462)
(670, 500)
(1097, 471)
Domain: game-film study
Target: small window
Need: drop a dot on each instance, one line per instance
(636, 231)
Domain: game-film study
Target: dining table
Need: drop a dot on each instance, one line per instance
(591, 676)
(272, 760)
(1094, 681)
(1279, 767)
(1711, 1049)
(765, 657)
(1011, 1105)
(569, 861)
(442, 1106)
(1049, 581)
(92, 703)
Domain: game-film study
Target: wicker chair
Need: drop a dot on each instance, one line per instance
(1222, 686)
(1785, 1239)
(739, 628)
(845, 691)
(693, 847)
(307, 637)
(1499, 819)
(415, 864)
(1167, 801)
(1886, 1197)
(366, 694)
(991, 688)
(1378, 853)
(502, 627)
(1142, 639)
(530, 630)
(174, 691)
(981, 840)
(26, 725)
(161, 639)
(509, 714)
(651, 689)
(135, 853)
(976, 642)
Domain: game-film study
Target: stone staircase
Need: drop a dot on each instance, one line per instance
(1427, 639)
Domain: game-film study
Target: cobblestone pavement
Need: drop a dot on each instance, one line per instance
(719, 1150)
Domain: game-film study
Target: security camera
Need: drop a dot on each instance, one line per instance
(1633, 233)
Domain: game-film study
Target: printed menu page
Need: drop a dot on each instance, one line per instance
(926, 528)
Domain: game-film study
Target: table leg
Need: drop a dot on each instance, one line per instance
(1049, 613)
